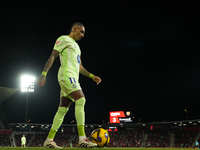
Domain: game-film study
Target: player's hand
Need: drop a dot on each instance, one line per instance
(96, 79)
(41, 81)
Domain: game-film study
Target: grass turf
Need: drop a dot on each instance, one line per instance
(75, 148)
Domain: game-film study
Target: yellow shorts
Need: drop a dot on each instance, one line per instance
(68, 86)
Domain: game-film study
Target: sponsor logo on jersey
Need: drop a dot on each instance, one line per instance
(78, 59)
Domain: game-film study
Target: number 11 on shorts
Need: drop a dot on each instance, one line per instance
(72, 80)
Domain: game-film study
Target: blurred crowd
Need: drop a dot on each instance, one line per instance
(184, 138)
(158, 139)
(122, 138)
(5, 140)
(128, 138)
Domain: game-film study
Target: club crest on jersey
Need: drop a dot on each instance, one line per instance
(57, 42)
(74, 85)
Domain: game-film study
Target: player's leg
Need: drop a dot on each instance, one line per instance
(65, 103)
(79, 99)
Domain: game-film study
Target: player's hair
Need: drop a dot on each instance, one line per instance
(78, 24)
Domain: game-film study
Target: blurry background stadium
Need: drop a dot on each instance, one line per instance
(125, 133)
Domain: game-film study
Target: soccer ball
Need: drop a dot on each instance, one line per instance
(101, 137)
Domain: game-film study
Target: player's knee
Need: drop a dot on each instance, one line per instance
(80, 102)
(62, 110)
(77, 94)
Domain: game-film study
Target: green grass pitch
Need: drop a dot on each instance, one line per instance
(75, 148)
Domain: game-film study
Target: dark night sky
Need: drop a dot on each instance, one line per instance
(146, 52)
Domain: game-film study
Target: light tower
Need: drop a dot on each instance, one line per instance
(27, 85)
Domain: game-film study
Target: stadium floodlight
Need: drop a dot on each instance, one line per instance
(27, 85)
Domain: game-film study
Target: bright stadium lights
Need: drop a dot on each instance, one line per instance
(27, 85)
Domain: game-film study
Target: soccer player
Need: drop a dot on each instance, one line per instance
(197, 144)
(70, 145)
(68, 78)
(23, 141)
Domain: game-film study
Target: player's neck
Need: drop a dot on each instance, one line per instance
(72, 36)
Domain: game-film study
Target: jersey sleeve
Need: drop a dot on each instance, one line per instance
(61, 44)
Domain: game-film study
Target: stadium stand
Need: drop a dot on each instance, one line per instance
(61, 139)
(184, 139)
(5, 140)
(179, 134)
(38, 139)
(127, 138)
(158, 139)
(121, 138)
(18, 138)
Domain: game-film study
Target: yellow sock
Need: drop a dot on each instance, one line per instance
(80, 115)
(81, 130)
(52, 133)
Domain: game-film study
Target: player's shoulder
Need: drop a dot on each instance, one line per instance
(66, 38)
(63, 37)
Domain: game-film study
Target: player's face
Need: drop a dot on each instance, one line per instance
(79, 34)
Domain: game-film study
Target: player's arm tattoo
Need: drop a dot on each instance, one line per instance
(83, 71)
(51, 60)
